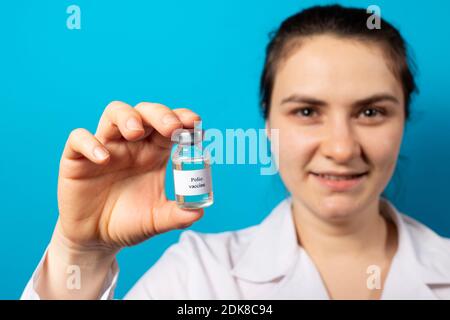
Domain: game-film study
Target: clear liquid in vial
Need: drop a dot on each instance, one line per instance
(194, 201)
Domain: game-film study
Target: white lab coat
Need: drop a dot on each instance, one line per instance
(266, 262)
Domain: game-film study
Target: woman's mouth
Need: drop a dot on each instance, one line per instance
(339, 182)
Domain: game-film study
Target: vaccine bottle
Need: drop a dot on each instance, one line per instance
(191, 170)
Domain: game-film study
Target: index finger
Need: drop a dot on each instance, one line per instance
(161, 118)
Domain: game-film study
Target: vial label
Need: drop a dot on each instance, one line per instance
(192, 182)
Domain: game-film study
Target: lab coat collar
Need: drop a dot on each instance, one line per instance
(422, 258)
(421, 261)
(273, 249)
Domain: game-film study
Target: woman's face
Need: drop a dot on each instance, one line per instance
(339, 109)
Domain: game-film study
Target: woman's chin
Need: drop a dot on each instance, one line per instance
(337, 208)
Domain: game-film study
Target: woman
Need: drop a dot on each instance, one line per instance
(339, 95)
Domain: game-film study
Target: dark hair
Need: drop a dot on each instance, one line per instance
(341, 22)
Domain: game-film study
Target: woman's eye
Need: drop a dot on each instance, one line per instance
(305, 112)
(372, 112)
(367, 113)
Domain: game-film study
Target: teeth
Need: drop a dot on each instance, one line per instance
(337, 178)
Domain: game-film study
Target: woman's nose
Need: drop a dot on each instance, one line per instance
(340, 143)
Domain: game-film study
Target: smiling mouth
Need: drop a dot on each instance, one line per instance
(339, 177)
(340, 183)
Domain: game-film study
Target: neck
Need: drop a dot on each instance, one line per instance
(359, 234)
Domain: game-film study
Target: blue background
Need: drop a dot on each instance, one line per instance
(205, 55)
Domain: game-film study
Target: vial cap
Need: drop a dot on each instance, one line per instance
(187, 136)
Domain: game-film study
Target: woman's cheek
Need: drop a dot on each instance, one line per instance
(382, 149)
(296, 149)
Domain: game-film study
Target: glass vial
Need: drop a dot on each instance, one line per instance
(191, 170)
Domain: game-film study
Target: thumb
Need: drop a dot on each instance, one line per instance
(169, 217)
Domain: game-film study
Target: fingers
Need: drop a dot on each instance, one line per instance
(82, 143)
(120, 120)
(165, 121)
(159, 117)
(169, 217)
(187, 117)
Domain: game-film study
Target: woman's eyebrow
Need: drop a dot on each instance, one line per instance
(317, 102)
(303, 99)
(379, 97)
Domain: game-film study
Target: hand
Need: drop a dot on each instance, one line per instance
(111, 185)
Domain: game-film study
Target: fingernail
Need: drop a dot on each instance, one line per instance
(134, 125)
(170, 119)
(100, 153)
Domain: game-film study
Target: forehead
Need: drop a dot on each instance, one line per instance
(334, 68)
